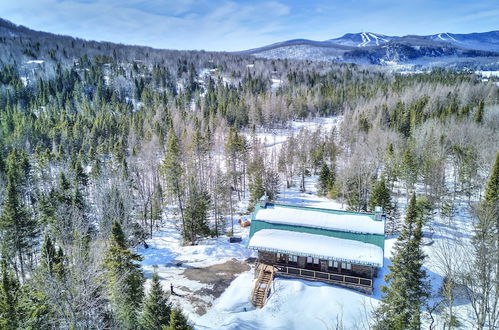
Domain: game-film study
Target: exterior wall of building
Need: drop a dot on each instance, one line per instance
(301, 262)
(356, 270)
(267, 257)
(324, 265)
(363, 271)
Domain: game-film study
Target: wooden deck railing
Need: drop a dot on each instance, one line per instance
(336, 278)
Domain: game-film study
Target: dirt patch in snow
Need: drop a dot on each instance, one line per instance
(217, 277)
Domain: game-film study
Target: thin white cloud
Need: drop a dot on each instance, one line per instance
(161, 24)
(236, 25)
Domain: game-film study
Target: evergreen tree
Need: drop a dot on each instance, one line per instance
(327, 180)
(196, 212)
(156, 313)
(178, 321)
(392, 168)
(17, 228)
(256, 177)
(479, 112)
(52, 259)
(381, 197)
(323, 180)
(448, 210)
(256, 188)
(491, 197)
(407, 289)
(221, 200)
(80, 176)
(124, 279)
(482, 286)
(173, 172)
(9, 300)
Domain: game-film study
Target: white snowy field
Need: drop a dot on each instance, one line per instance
(272, 139)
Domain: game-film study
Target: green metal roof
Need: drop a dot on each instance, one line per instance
(376, 239)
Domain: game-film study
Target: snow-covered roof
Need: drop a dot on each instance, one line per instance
(320, 218)
(318, 246)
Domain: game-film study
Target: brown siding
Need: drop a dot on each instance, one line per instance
(267, 257)
(363, 271)
(301, 262)
(357, 270)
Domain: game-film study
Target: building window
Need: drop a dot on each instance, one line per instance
(311, 260)
(281, 257)
(345, 265)
(332, 264)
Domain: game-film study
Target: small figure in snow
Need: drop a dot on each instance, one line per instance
(171, 288)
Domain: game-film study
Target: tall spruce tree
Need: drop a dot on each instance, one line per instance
(18, 229)
(483, 288)
(52, 259)
(323, 180)
(9, 299)
(381, 197)
(173, 172)
(157, 310)
(481, 284)
(327, 180)
(196, 212)
(491, 197)
(407, 289)
(124, 279)
(479, 112)
(178, 321)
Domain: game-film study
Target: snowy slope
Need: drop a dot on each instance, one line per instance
(479, 41)
(479, 50)
(362, 39)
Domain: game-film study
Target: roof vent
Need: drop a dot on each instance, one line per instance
(378, 213)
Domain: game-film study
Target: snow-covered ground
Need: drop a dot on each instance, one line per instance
(488, 74)
(35, 61)
(276, 83)
(170, 259)
(272, 139)
(293, 304)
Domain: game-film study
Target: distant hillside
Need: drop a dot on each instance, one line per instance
(27, 49)
(474, 50)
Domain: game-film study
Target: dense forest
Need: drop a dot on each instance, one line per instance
(97, 140)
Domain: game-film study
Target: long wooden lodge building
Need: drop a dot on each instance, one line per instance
(338, 247)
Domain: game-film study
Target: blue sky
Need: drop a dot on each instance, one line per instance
(238, 25)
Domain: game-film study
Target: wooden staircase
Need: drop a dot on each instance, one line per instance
(262, 285)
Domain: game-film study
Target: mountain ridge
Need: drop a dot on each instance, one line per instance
(449, 49)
